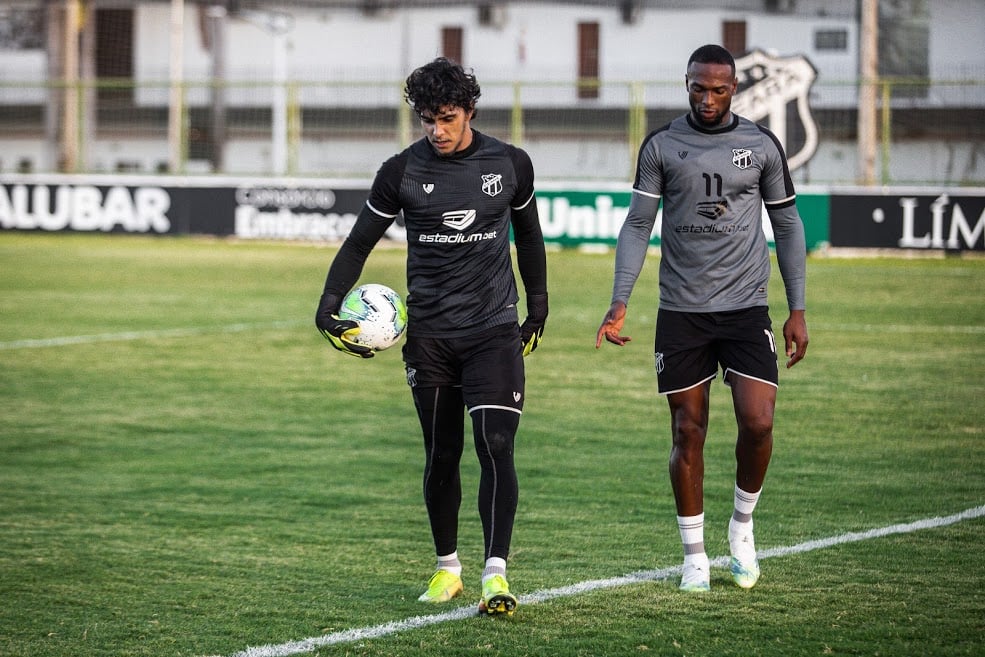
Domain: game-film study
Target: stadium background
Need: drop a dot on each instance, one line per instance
(274, 96)
(311, 88)
(186, 468)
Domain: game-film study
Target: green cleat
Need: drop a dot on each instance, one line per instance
(442, 587)
(496, 597)
(696, 577)
(743, 565)
(744, 574)
(696, 582)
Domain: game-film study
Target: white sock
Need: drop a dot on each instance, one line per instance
(450, 563)
(494, 566)
(745, 504)
(692, 530)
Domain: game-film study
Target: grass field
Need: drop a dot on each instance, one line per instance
(188, 469)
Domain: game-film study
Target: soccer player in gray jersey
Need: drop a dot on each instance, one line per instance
(714, 172)
(460, 193)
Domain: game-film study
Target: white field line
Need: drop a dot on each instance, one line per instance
(143, 335)
(461, 613)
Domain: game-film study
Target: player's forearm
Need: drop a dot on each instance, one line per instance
(632, 245)
(531, 255)
(791, 254)
(533, 271)
(348, 263)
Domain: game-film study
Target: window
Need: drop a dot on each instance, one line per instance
(904, 46)
(734, 37)
(831, 40)
(21, 29)
(114, 51)
(588, 60)
(451, 43)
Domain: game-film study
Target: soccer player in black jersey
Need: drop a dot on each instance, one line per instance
(714, 171)
(460, 192)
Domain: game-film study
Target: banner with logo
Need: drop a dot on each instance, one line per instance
(572, 215)
(589, 216)
(114, 204)
(951, 220)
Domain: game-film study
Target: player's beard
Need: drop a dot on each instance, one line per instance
(709, 119)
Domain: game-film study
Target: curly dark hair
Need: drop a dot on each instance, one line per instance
(438, 84)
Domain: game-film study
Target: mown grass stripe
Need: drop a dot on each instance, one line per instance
(898, 328)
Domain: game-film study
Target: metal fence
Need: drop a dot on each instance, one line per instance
(927, 132)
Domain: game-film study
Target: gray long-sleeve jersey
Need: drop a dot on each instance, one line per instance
(713, 184)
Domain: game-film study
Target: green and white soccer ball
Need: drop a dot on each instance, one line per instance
(380, 313)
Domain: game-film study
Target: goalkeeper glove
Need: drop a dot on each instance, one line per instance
(532, 329)
(339, 332)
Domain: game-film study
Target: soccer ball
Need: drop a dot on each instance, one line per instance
(380, 312)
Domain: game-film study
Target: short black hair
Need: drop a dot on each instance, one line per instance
(441, 83)
(712, 54)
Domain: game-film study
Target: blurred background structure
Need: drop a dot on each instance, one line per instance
(313, 88)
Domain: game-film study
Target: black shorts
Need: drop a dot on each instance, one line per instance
(689, 347)
(488, 366)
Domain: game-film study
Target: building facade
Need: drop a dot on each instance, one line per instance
(313, 87)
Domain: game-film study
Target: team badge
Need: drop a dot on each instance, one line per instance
(658, 361)
(492, 183)
(774, 91)
(742, 157)
(428, 187)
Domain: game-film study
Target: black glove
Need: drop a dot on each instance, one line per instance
(532, 329)
(338, 331)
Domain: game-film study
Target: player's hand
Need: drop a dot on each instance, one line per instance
(795, 337)
(339, 332)
(612, 326)
(532, 329)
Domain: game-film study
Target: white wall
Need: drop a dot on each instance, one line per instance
(536, 42)
(346, 45)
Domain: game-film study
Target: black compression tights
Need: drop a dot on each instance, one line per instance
(440, 411)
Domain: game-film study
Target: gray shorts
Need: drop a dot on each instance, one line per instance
(689, 347)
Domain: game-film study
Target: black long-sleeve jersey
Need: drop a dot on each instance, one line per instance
(458, 211)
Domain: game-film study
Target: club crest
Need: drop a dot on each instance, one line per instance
(492, 183)
(774, 91)
(741, 157)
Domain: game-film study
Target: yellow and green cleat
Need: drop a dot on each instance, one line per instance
(442, 587)
(496, 597)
